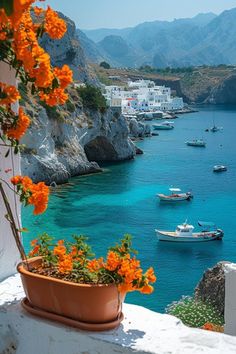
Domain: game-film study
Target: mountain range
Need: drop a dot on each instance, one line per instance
(204, 39)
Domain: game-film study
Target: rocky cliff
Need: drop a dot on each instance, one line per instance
(224, 93)
(68, 141)
(211, 288)
(68, 51)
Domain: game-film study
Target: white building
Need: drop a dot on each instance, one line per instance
(142, 95)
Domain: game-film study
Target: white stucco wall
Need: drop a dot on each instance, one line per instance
(142, 331)
(230, 299)
(9, 255)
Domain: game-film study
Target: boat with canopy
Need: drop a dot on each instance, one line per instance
(175, 196)
(184, 233)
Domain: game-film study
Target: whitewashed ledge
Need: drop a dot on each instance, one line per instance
(142, 331)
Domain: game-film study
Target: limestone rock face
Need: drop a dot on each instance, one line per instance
(211, 287)
(139, 129)
(225, 92)
(59, 148)
(68, 50)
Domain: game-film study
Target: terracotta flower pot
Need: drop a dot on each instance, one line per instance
(94, 304)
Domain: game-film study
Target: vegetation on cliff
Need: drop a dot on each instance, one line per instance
(92, 98)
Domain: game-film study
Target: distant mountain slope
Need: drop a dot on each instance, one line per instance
(91, 50)
(119, 50)
(203, 39)
(98, 35)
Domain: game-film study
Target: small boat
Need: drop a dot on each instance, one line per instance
(163, 126)
(219, 168)
(215, 129)
(184, 233)
(196, 142)
(175, 196)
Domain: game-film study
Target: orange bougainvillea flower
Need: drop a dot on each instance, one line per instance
(4, 25)
(20, 127)
(60, 249)
(95, 265)
(54, 25)
(35, 194)
(8, 94)
(213, 327)
(39, 197)
(147, 289)
(34, 251)
(64, 75)
(16, 180)
(33, 242)
(208, 326)
(57, 96)
(125, 288)
(38, 10)
(113, 261)
(150, 275)
(65, 264)
(19, 6)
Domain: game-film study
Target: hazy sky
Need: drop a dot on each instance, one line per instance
(89, 14)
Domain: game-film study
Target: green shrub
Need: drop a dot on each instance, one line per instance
(105, 65)
(70, 106)
(92, 98)
(195, 313)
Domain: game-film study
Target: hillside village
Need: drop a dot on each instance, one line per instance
(142, 96)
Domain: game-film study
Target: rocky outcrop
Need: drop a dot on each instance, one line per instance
(225, 92)
(211, 287)
(139, 129)
(61, 144)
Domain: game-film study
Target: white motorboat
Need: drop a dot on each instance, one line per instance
(184, 233)
(175, 196)
(196, 142)
(219, 168)
(163, 126)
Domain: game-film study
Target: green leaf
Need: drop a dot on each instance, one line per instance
(7, 5)
(7, 153)
(55, 83)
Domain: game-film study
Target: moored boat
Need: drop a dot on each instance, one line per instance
(175, 196)
(219, 168)
(215, 129)
(196, 142)
(163, 126)
(184, 233)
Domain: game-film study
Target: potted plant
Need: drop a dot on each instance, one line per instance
(62, 281)
(66, 280)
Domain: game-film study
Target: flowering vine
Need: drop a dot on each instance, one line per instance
(19, 47)
(21, 26)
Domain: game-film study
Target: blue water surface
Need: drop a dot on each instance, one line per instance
(123, 199)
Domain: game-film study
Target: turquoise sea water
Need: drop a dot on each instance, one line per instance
(123, 200)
